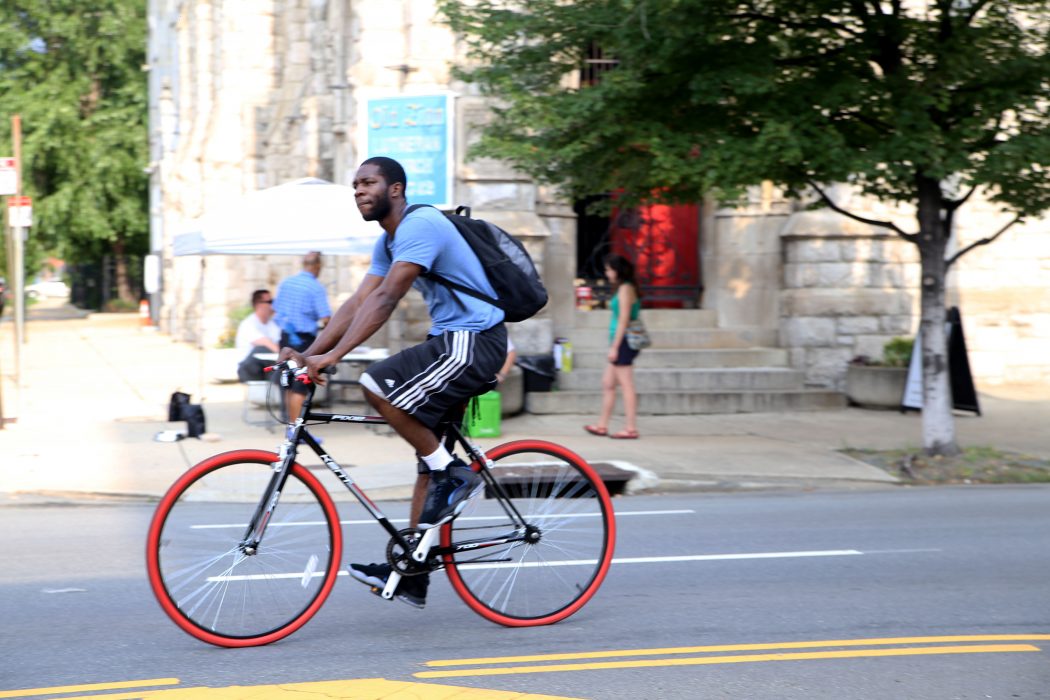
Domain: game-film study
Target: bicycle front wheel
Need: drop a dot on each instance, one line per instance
(554, 561)
(204, 578)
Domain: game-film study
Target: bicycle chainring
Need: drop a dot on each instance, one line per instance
(400, 560)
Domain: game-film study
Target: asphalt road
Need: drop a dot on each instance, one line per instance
(897, 593)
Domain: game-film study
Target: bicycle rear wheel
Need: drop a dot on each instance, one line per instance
(556, 561)
(207, 583)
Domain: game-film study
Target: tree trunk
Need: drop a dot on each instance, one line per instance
(938, 423)
(121, 265)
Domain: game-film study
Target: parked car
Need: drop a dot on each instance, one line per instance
(47, 288)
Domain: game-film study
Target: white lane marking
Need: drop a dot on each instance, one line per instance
(662, 560)
(63, 590)
(462, 519)
(590, 562)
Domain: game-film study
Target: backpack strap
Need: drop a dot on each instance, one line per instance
(449, 284)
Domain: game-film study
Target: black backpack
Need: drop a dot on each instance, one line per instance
(519, 291)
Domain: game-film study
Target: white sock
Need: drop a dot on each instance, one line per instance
(439, 460)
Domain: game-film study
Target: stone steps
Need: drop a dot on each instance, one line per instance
(670, 319)
(689, 402)
(692, 379)
(693, 367)
(682, 338)
(688, 358)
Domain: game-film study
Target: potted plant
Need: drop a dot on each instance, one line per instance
(880, 383)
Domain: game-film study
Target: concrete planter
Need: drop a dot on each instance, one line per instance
(875, 387)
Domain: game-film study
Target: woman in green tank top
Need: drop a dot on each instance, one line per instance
(626, 305)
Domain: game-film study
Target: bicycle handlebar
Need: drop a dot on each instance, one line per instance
(299, 374)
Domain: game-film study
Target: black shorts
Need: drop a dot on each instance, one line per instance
(446, 370)
(625, 355)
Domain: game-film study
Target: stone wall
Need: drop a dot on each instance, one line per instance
(1003, 292)
(847, 289)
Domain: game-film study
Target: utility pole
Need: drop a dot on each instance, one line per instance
(13, 242)
(15, 264)
(18, 235)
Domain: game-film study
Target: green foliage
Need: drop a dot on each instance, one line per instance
(229, 336)
(73, 71)
(716, 95)
(897, 352)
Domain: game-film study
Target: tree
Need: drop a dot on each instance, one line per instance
(912, 102)
(74, 73)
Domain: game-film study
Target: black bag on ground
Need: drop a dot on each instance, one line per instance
(537, 372)
(179, 401)
(180, 408)
(519, 290)
(193, 414)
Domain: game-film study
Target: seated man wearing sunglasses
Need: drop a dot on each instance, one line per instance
(258, 333)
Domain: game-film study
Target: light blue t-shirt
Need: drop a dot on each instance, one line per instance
(426, 238)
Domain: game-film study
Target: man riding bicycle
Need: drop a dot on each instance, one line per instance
(414, 389)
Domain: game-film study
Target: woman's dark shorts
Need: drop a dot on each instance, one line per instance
(625, 355)
(440, 374)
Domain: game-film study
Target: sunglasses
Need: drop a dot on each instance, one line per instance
(266, 301)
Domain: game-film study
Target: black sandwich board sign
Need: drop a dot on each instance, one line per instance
(964, 395)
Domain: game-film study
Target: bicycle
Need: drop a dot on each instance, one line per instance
(245, 547)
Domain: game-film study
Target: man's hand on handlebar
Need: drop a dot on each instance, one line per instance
(315, 364)
(290, 354)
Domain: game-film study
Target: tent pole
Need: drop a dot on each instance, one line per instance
(200, 331)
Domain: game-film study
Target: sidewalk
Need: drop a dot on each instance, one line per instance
(95, 391)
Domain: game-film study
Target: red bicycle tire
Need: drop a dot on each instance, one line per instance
(164, 507)
(480, 608)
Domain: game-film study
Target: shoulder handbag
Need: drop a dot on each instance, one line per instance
(637, 336)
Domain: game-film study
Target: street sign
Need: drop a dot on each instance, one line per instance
(8, 176)
(20, 212)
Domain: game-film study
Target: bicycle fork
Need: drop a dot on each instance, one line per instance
(268, 503)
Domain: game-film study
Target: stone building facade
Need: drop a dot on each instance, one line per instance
(247, 94)
(835, 288)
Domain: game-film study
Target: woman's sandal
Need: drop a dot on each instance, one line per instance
(625, 435)
(596, 430)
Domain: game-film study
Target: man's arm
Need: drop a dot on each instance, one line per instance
(372, 312)
(264, 342)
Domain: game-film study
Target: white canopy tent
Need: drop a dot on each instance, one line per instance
(290, 219)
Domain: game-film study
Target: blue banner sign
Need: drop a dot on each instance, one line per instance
(415, 131)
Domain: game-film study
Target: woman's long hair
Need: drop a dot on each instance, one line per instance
(623, 268)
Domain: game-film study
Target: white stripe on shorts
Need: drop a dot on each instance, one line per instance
(434, 382)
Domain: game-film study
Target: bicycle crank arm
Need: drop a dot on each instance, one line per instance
(391, 585)
(429, 539)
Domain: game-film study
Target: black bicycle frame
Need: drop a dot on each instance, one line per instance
(289, 450)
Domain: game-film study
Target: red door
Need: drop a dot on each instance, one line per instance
(663, 242)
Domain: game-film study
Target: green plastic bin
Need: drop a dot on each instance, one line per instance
(484, 422)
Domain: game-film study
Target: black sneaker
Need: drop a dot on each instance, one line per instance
(411, 589)
(447, 493)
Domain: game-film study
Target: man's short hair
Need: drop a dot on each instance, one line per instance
(312, 258)
(258, 294)
(390, 169)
